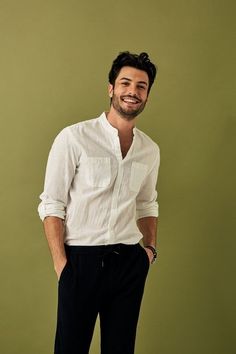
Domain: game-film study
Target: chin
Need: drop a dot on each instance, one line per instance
(128, 116)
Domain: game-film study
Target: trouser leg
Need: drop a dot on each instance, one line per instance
(119, 313)
(77, 305)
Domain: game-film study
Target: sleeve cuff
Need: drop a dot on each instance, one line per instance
(148, 211)
(51, 209)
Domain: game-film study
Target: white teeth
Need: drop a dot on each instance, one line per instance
(130, 100)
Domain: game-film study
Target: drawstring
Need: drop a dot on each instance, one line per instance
(113, 249)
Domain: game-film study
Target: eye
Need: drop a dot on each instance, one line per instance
(141, 87)
(124, 83)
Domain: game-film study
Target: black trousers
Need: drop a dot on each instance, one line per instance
(104, 280)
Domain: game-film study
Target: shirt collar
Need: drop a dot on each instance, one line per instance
(103, 119)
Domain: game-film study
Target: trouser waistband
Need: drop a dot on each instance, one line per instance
(101, 249)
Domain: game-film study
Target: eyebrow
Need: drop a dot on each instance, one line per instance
(140, 82)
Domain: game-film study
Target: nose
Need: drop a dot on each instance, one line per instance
(132, 90)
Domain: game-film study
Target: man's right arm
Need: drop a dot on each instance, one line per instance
(61, 166)
(54, 230)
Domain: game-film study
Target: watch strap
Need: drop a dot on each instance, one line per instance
(154, 252)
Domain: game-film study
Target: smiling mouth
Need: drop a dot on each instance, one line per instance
(131, 100)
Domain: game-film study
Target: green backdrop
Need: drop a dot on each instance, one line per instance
(55, 56)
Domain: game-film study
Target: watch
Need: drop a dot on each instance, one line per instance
(154, 252)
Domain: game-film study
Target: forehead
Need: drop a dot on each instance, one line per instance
(133, 74)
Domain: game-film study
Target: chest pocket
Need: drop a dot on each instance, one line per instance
(137, 175)
(98, 171)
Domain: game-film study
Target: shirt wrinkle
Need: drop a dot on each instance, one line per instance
(99, 194)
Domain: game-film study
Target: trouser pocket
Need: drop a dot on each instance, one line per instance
(63, 272)
(145, 257)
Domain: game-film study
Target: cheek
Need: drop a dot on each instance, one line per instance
(144, 97)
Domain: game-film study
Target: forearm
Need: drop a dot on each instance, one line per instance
(148, 228)
(54, 231)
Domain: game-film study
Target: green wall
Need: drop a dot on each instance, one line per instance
(55, 56)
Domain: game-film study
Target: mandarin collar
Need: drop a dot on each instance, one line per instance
(108, 126)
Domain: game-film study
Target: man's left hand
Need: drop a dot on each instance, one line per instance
(150, 254)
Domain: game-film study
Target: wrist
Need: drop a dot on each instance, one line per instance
(154, 252)
(60, 264)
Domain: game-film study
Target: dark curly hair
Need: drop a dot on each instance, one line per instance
(139, 61)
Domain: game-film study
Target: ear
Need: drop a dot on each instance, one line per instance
(110, 90)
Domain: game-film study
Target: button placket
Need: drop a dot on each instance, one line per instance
(116, 189)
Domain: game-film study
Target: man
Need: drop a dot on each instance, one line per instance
(99, 201)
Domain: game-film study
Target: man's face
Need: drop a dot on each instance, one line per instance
(130, 92)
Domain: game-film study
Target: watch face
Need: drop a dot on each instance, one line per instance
(154, 257)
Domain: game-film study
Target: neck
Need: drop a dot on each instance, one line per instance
(121, 124)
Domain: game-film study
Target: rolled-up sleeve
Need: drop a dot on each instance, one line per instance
(146, 201)
(61, 166)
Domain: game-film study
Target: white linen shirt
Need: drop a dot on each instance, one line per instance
(98, 193)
